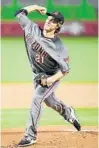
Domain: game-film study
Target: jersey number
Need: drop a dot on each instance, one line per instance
(39, 58)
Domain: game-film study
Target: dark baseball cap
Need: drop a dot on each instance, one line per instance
(57, 15)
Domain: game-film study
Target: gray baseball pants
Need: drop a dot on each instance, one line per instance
(41, 95)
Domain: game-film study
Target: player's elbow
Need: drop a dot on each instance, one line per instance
(23, 11)
(65, 72)
(17, 12)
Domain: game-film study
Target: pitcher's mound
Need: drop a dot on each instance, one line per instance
(54, 139)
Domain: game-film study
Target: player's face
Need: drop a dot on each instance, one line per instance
(50, 24)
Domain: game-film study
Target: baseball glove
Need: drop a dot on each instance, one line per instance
(41, 79)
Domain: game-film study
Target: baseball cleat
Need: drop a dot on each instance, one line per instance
(73, 119)
(26, 141)
(77, 125)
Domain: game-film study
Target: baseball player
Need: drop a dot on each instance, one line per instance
(49, 62)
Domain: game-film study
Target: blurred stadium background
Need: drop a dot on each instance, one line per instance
(80, 16)
(79, 34)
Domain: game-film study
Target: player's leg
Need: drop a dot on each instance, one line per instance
(31, 130)
(65, 111)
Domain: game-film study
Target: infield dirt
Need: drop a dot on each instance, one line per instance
(54, 137)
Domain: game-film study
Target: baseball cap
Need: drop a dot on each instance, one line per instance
(57, 15)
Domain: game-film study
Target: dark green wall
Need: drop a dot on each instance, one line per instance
(84, 11)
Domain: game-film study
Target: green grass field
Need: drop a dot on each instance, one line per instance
(83, 60)
(17, 118)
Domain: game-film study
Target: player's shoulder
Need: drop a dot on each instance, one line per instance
(34, 24)
(34, 28)
(58, 42)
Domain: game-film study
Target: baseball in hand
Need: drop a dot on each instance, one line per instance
(42, 10)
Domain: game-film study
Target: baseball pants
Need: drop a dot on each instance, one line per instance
(46, 95)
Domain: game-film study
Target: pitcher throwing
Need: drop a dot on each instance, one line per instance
(49, 61)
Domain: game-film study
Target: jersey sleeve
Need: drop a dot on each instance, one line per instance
(23, 20)
(64, 66)
(62, 56)
(64, 61)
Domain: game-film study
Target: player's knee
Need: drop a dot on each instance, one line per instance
(47, 103)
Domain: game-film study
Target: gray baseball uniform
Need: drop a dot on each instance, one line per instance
(46, 56)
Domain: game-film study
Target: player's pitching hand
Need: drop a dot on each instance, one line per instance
(41, 10)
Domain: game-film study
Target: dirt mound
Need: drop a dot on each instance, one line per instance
(54, 139)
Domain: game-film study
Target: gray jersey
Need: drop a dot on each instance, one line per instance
(45, 55)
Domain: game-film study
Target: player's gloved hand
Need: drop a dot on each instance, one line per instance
(41, 10)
